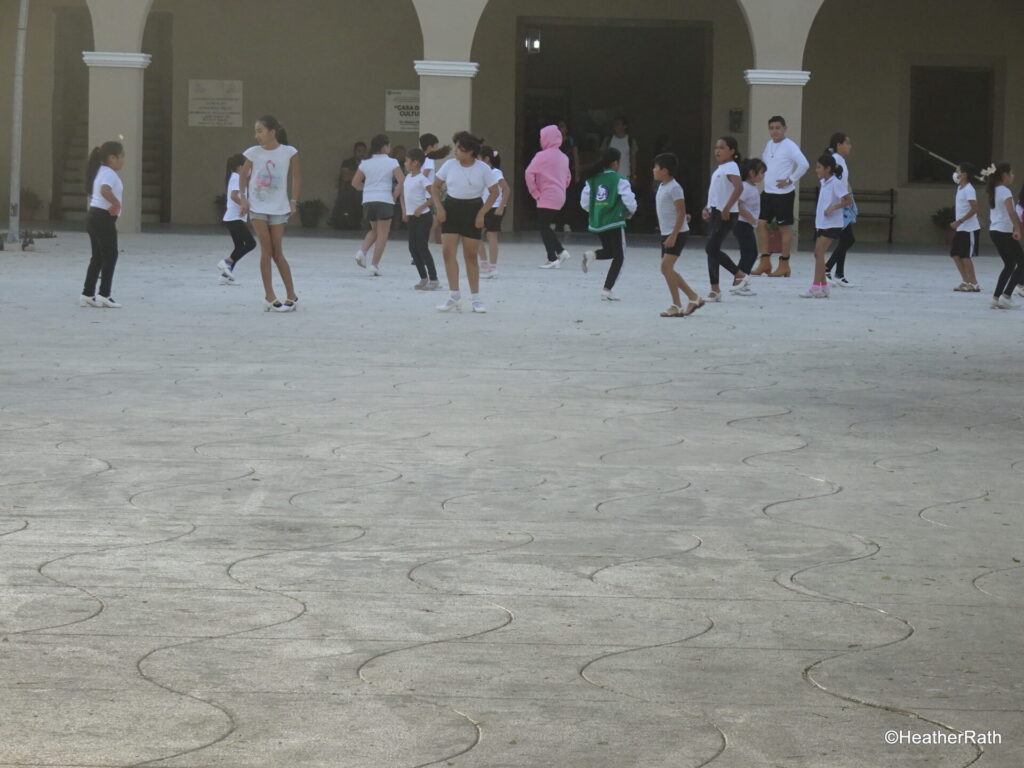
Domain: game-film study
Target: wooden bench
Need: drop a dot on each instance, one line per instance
(883, 199)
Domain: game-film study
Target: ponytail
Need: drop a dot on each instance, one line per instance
(833, 144)
(731, 143)
(271, 124)
(828, 160)
(993, 176)
(488, 152)
(440, 154)
(98, 157)
(609, 156)
(234, 163)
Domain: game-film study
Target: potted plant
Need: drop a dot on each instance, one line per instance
(774, 236)
(942, 218)
(30, 204)
(311, 211)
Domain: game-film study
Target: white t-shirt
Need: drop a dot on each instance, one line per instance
(427, 169)
(106, 176)
(785, 161)
(379, 171)
(665, 203)
(841, 162)
(234, 210)
(414, 192)
(750, 199)
(496, 177)
(268, 183)
(1000, 220)
(833, 189)
(466, 182)
(623, 145)
(964, 196)
(720, 189)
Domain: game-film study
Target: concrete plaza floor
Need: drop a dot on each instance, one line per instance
(565, 533)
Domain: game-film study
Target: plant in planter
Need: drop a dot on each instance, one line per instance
(30, 204)
(942, 218)
(311, 211)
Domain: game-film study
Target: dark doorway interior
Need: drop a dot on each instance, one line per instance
(656, 73)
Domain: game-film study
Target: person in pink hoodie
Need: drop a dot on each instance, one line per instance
(547, 178)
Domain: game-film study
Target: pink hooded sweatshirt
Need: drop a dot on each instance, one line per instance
(547, 176)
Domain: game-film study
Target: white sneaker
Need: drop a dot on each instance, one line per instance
(742, 285)
(551, 264)
(607, 295)
(742, 290)
(1005, 302)
(87, 301)
(563, 257)
(843, 282)
(714, 296)
(432, 285)
(588, 256)
(1020, 289)
(224, 267)
(451, 304)
(374, 270)
(814, 293)
(478, 307)
(290, 305)
(831, 280)
(107, 301)
(228, 279)
(994, 304)
(963, 287)
(490, 274)
(361, 259)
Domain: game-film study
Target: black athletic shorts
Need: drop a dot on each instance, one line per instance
(378, 211)
(965, 244)
(460, 217)
(492, 220)
(676, 249)
(833, 233)
(778, 207)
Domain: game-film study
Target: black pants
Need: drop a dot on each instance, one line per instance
(720, 228)
(837, 261)
(102, 228)
(747, 239)
(419, 245)
(1013, 263)
(242, 238)
(545, 219)
(613, 246)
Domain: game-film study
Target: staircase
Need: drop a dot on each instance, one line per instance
(73, 198)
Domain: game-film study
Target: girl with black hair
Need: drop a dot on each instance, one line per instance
(608, 198)
(723, 193)
(470, 195)
(264, 184)
(105, 191)
(1005, 229)
(492, 219)
(964, 247)
(380, 180)
(840, 146)
(828, 220)
(234, 220)
(749, 209)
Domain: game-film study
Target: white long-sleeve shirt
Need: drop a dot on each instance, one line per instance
(785, 161)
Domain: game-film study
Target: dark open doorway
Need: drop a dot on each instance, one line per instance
(588, 72)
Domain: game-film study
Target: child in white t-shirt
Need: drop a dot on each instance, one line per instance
(966, 228)
(833, 196)
(673, 224)
(417, 215)
(752, 172)
(1005, 230)
(492, 219)
(264, 181)
(380, 180)
(432, 152)
(233, 219)
(105, 191)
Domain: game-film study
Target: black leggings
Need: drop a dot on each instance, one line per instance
(243, 239)
(837, 260)
(419, 245)
(720, 228)
(1013, 263)
(102, 228)
(613, 246)
(747, 239)
(545, 219)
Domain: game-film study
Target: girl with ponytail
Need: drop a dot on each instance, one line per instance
(105, 191)
(840, 146)
(723, 194)
(264, 185)
(1005, 230)
(828, 219)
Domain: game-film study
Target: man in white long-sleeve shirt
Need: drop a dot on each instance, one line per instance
(786, 164)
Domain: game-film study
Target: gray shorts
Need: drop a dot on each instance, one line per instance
(273, 219)
(378, 211)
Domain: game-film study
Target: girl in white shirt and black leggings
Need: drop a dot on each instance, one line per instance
(468, 181)
(1004, 228)
(105, 191)
(723, 193)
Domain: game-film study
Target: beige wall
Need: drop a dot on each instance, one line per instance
(863, 90)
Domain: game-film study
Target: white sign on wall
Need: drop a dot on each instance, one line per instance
(402, 111)
(215, 103)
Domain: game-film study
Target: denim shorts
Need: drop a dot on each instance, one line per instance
(273, 219)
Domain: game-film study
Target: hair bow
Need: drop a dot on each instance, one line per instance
(986, 172)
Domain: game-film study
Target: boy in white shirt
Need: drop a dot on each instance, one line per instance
(418, 216)
(673, 224)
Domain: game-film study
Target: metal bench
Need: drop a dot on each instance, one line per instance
(884, 199)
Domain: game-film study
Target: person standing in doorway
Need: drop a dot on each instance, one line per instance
(547, 178)
(358, 155)
(786, 164)
(105, 193)
(627, 146)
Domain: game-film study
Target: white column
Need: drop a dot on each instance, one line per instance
(446, 96)
(774, 92)
(116, 111)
